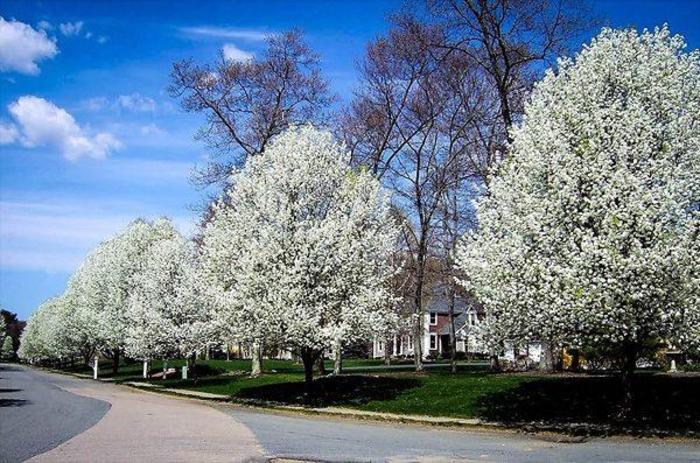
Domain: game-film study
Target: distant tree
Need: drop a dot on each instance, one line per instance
(102, 285)
(301, 255)
(246, 103)
(13, 327)
(590, 235)
(7, 351)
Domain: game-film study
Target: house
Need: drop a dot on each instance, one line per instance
(436, 330)
(468, 316)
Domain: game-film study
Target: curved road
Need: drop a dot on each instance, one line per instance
(36, 415)
(45, 410)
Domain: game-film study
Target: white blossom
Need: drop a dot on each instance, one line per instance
(590, 233)
(165, 313)
(298, 253)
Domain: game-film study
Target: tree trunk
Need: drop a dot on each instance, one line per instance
(115, 362)
(192, 366)
(308, 357)
(627, 376)
(453, 337)
(387, 352)
(418, 301)
(321, 365)
(228, 352)
(418, 343)
(256, 354)
(494, 364)
(145, 369)
(165, 369)
(575, 360)
(546, 358)
(338, 358)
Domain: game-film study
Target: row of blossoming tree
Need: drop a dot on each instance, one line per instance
(588, 235)
(296, 254)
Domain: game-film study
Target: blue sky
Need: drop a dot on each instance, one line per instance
(112, 146)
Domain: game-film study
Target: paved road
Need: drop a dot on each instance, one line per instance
(315, 438)
(138, 427)
(36, 415)
(254, 435)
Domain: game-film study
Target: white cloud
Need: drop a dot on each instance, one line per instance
(22, 47)
(233, 53)
(44, 25)
(69, 29)
(41, 123)
(253, 35)
(136, 102)
(8, 133)
(94, 104)
(102, 39)
(151, 129)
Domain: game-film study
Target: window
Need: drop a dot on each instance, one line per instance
(433, 318)
(410, 343)
(433, 341)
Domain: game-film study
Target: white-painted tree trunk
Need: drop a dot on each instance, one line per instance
(184, 372)
(94, 368)
(337, 358)
(145, 369)
(256, 366)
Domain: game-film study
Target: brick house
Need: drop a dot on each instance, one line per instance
(436, 334)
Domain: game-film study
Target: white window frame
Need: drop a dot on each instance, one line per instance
(433, 343)
(432, 322)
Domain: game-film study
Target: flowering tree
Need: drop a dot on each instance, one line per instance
(42, 337)
(102, 285)
(590, 234)
(3, 330)
(300, 252)
(166, 316)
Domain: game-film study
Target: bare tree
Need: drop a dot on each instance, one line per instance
(247, 103)
(512, 40)
(395, 126)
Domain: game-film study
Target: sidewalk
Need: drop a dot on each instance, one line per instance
(157, 429)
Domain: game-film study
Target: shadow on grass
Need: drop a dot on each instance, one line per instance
(337, 390)
(661, 402)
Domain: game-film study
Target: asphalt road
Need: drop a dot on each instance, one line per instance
(36, 415)
(47, 416)
(315, 438)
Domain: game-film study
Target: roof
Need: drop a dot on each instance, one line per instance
(460, 320)
(440, 304)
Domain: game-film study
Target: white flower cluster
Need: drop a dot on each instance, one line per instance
(591, 232)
